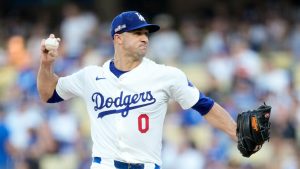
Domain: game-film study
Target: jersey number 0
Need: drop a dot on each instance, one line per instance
(143, 123)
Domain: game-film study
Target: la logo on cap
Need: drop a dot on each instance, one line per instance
(140, 17)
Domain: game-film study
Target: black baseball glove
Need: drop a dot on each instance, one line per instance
(253, 129)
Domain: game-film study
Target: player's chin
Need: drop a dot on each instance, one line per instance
(142, 52)
(141, 55)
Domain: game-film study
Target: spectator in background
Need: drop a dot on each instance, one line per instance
(214, 42)
(277, 33)
(98, 47)
(24, 121)
(184, 153)
(33, 43)
(188, 156)
(166, 45)
(192, 48)
(221, 69)
(18, 55)
(76, 28)
(294, 42)
(65, 137)
(243, 93)
(257, 36)
(278, 79)
(247, 63)
(23, 117)
(6, 149)
(26, 83)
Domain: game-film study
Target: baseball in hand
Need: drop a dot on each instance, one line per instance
(51, 43)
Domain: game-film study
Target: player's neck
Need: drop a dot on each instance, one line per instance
(126, 63)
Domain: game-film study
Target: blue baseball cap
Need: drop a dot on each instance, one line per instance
(129, 21)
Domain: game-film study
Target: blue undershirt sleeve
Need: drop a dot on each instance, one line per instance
(55, 98)
(204, 104)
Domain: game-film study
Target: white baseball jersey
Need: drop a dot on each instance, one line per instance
(127, 113)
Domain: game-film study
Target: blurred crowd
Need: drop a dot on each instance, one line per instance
(240, 62)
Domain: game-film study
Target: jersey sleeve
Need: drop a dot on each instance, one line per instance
(72, 85)
(182, 90)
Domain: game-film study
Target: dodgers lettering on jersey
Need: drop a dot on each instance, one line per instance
(126, 103)
(127, 113)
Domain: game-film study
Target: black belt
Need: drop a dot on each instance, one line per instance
(124, 165)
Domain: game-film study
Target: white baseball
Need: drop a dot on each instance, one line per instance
(51, 44)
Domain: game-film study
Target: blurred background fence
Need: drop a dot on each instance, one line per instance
(240, 53)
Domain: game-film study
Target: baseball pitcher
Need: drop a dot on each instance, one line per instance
(127, 98)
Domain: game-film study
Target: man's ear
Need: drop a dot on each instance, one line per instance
(118, 38)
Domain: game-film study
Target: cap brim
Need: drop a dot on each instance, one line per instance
(151, 27)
